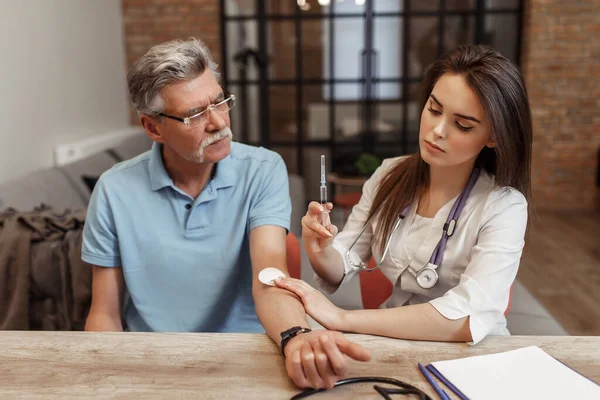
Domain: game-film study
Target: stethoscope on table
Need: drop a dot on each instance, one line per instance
(426, 277)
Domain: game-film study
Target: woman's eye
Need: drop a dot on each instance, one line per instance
(463, 128)
(436, 112)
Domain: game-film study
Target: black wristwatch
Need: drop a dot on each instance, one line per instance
(286, 336)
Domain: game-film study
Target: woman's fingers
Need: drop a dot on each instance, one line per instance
(298, 284)
(312, 227)
(316, 209)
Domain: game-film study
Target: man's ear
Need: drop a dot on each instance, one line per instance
(150, 125)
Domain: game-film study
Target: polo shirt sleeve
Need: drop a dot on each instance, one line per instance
(272, 204)
(100, 243)
(484, 288)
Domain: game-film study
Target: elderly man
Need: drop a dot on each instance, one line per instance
(178, 235)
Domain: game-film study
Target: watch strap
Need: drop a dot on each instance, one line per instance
(291, 333)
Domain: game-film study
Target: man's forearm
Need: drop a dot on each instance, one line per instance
(103, 323)
(278, 310)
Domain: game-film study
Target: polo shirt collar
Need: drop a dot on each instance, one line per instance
(158, 174)
(225, 175)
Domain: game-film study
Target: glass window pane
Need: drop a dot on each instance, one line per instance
(344, 91)
(240, 7)
(313, 48)
(413, 113)
(282, 50)
(387, 41)
(458, 30)
(501, 4)
(315, 113)
(402, 142)
(348, 42)
(242, 46)
(399, 142)
(343, 7)
(460, 5)
(245, 115)
(348, 121)
(282, 112)
(387, 118)
(389, 6)
(423, 44)
(424, 5)
(501, 32)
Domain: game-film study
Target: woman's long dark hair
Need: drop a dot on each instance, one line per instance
(501, 90)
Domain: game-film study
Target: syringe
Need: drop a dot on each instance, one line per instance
(323, 194)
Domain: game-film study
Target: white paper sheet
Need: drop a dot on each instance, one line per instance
(527, 373)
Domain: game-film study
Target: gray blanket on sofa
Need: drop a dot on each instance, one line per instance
(44, 285)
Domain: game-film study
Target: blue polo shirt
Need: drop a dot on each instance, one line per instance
(186, 262)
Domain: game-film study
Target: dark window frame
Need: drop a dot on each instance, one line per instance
(368, 81)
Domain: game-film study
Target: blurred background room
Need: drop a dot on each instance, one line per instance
(311, 77)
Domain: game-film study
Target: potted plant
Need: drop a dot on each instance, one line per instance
(366, 164)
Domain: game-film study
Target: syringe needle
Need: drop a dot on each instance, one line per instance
(323, 194)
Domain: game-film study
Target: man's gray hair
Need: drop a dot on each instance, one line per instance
(162, 65)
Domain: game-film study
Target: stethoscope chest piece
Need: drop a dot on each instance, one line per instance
(427, 277)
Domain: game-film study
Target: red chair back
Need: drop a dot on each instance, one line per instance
(293, 257)
(375, 288)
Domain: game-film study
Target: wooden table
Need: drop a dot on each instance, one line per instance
(68, 365)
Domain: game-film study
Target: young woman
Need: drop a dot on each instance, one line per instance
(445, 225)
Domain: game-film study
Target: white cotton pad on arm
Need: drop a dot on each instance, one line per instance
(268, 275)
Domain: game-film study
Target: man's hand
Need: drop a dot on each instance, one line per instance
(317, 359)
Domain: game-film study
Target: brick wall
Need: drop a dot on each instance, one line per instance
(149, 22)
(561, 58)
(561, 65)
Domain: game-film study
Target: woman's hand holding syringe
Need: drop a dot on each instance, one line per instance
(318, 234)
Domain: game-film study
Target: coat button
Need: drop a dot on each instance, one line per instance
(188, 206)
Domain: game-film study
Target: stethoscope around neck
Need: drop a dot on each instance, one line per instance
(426, 277)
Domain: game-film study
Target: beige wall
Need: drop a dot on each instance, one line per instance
(63, 78)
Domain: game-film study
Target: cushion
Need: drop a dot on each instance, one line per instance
(91, 167)
(49, 186)
(132, 147)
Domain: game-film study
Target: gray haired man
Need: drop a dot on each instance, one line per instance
(178, 235)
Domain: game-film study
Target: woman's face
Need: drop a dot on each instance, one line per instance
(454, 126)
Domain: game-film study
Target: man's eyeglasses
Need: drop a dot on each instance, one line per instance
(200, 118)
